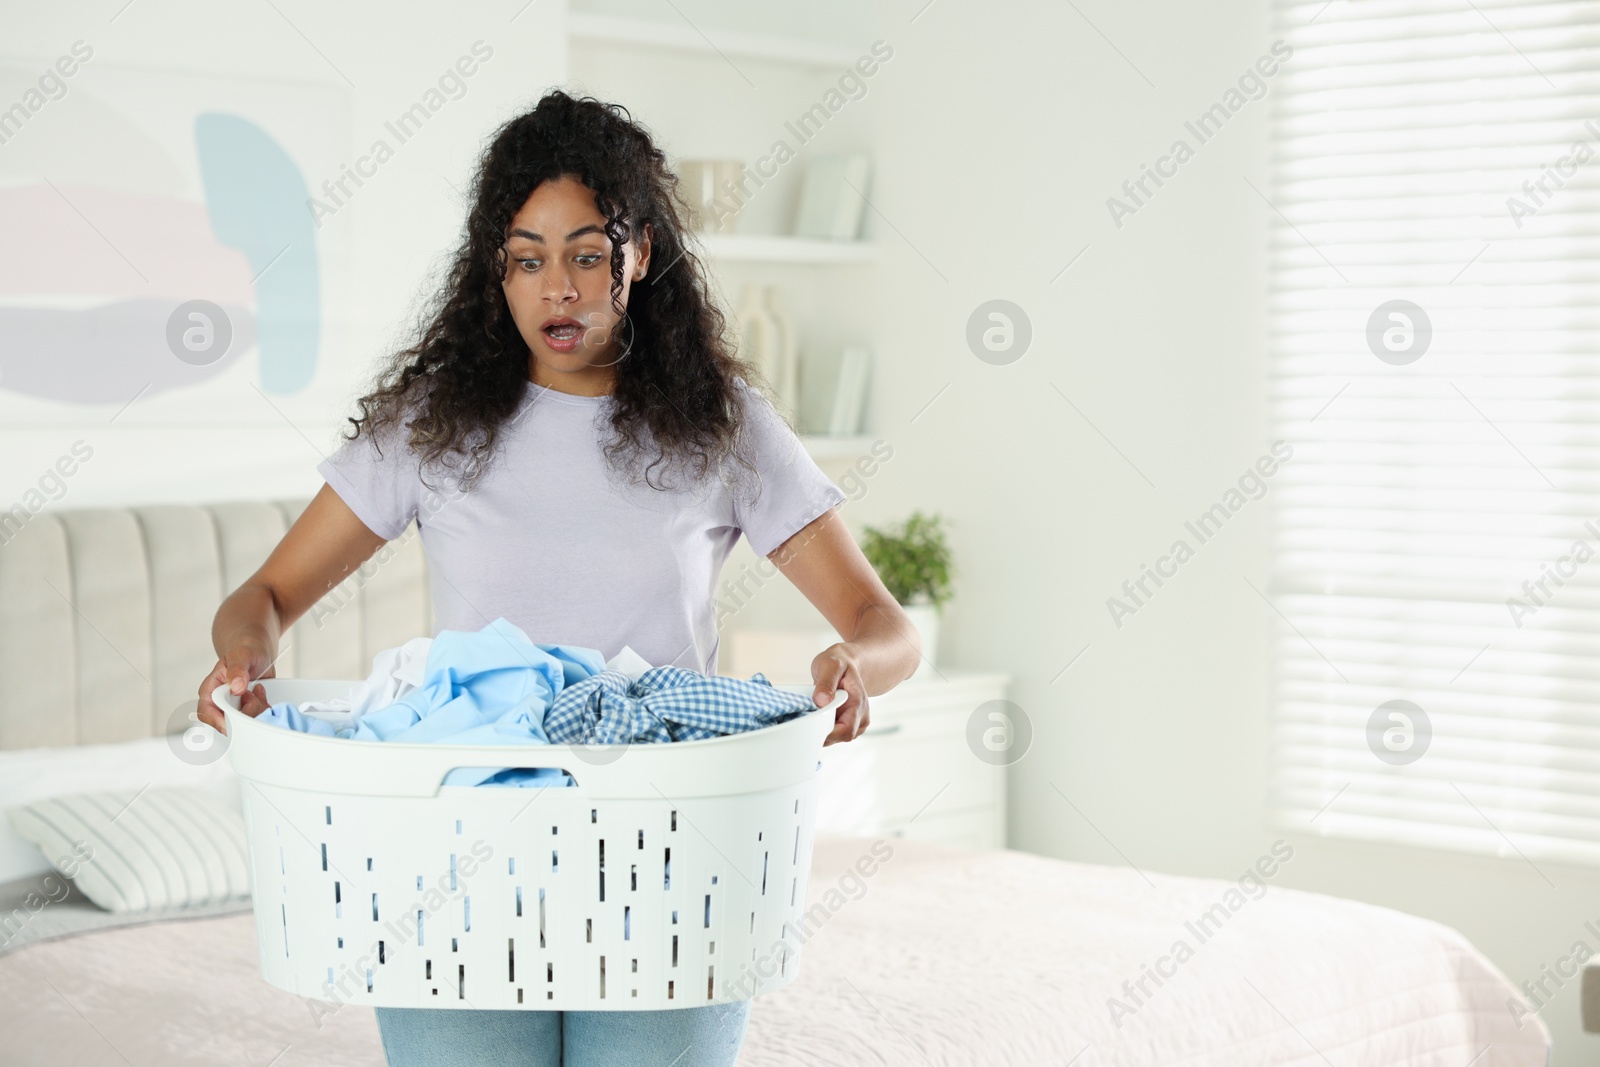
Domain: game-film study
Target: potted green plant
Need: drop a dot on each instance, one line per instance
(913, 561)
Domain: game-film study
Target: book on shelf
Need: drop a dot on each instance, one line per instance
(850, 392)
(832, 197)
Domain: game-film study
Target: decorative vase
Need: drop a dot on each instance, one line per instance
(759, 340)
(925, 618)
(705, 185)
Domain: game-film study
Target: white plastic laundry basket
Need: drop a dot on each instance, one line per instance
(671, 875)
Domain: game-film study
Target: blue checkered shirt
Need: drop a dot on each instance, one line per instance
(667, 704)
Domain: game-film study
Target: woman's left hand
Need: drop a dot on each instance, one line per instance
(835, 668)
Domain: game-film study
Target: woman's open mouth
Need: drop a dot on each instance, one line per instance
(563, 335)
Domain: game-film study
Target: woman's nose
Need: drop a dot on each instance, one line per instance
(558, 283)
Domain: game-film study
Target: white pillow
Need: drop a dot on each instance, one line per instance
(34, 773)
(140, 849)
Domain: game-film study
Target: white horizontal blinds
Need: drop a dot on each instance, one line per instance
(1423, 494)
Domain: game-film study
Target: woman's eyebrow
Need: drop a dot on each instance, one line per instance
(574, 235)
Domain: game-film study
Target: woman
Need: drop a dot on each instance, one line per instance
(611, 450)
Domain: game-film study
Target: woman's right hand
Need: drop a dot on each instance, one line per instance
(243, 664)
(323, 547)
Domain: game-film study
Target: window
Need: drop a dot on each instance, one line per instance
(1435, 350)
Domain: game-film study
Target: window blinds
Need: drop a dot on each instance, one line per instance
(1434, 318)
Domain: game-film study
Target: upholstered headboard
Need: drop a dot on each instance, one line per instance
(105, 614)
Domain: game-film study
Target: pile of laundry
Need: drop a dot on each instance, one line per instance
(496, 687)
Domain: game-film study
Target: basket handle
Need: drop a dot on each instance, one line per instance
(419, 769)
(223, 697)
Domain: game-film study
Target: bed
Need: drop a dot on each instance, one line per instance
(941, 956)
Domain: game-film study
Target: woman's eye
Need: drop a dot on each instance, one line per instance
(588, 260)
(529, 264)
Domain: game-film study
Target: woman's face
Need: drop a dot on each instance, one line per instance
(558, 286)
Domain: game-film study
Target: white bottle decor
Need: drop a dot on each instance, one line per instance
(758, 335)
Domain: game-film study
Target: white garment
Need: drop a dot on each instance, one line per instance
(395, 672)
(628, 662)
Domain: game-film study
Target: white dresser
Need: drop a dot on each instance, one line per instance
(914, 773)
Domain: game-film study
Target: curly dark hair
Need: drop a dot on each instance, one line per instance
(674, 397)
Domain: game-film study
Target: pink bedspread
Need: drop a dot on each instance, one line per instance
(939, 957)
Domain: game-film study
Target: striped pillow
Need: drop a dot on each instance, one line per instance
(136, 850)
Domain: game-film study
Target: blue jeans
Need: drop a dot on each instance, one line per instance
(707, 1036)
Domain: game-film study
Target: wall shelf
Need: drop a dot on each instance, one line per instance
(762, 248)
(618, 29)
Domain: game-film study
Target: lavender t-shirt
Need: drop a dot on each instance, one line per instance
(570, 550)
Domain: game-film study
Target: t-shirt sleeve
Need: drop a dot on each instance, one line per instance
(792, 490)
(383, 490)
